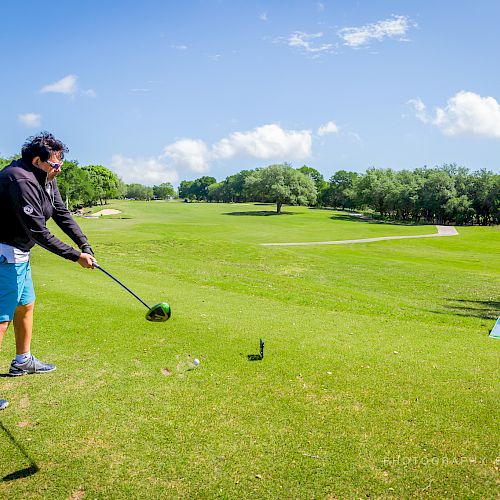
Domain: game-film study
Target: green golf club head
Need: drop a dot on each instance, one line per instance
(159, 312)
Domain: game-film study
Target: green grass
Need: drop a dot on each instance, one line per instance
(379, 378)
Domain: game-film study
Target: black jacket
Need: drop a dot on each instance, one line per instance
(25, 207)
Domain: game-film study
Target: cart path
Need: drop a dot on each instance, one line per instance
(442, 231)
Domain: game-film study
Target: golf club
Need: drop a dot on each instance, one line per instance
(159, 312)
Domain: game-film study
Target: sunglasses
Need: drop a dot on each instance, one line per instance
(56, 166)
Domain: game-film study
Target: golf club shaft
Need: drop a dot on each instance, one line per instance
(120, 283)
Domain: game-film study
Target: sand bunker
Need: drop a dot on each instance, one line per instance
(107, 211)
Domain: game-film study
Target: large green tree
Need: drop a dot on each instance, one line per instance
(316, 176)
(216, 191)
(75, 185)
(376, 188)
(282, 184)
(105, 182)
(484, 192)
(139, 192)
(185, 190)
(163, 190)
(435, 191)
(236, 188)
(197, 189)
(340, 191)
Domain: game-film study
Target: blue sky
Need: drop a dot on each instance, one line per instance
(166, 91)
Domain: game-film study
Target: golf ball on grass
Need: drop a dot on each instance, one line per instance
(196, 361)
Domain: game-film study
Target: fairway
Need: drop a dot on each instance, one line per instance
(379, 378)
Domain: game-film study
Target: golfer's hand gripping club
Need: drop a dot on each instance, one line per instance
(86, 260)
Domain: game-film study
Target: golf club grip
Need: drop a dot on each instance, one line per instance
(120, 283)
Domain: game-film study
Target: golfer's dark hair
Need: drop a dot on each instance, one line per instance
(42, 145)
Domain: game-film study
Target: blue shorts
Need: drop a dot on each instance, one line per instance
(16, 287)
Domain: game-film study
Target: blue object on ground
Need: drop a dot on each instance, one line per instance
(495, 332)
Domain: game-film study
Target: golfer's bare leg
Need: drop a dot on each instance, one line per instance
(3, 328)
(23, 327)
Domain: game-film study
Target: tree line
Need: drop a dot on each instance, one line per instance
(443, 195)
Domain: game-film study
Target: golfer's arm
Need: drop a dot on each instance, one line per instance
(33, 221)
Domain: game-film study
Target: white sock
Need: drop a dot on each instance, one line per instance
(22, 358)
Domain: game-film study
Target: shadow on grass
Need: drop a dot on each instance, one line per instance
(347, 217)
(21, 473)
(259, 213)
(484, 309)
(254, 357)
(27, 472)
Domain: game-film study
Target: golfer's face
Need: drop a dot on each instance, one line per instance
(55, 163)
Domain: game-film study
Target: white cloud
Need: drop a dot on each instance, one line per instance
(320, 6)
(263, 17)
(420, 110)
(465, 113)
(188, 153)
(395, 27)
(89, 93)
(179, 47)
(66, 85)
(184, 154)
(328, 128)
(306, 43)
(149, 171)
(31, 120)
(266, 142)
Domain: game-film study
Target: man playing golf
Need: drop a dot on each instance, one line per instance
(28, 198)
